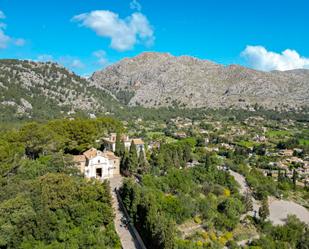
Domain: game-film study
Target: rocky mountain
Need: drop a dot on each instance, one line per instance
(47, 90)
(160, 79)
(33, 89)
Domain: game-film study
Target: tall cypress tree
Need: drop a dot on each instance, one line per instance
(120, 149)
(133, 159)
(294, 178)
(142, 163)
(124, 164)
(264, 210)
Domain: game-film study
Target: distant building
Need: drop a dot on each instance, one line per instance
(286, 152)
(110, 142)
(259, 138)
(139, 144)
(154, 145)
(180, 134)
(94, 163)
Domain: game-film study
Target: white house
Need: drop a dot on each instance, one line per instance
(139, 144)
(94, 163)
(110, 142)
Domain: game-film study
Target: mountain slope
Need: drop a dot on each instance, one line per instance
(33, 89)
(156, 79)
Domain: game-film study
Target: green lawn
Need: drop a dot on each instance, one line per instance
(278, 133)
(247, 144)
(153, 134)
(304, 142)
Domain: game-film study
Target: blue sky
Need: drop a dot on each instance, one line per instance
(86, 35)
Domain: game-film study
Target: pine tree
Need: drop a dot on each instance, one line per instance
(120, 149)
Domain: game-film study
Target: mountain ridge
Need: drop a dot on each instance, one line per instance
(151, 80)
(190, 82)
(46, 89)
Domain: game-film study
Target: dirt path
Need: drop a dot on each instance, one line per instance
(125, 235)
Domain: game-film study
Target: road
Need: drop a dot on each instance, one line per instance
(278, 209)
(244, 188)
(126, 238)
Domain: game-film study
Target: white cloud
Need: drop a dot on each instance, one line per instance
(5, 40)
(124, 33)
(2, 15)
(19, 42)
(45, 57)
(135, 5)
(71, 62)
(66, 61)
(76, 63)
(101, 56)
(259, 58)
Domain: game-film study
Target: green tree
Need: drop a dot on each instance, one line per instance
(142, 163)
(294, 178)
(264, 210)
(304, 241)
(248, 201)
(132, 164)
(120, 148)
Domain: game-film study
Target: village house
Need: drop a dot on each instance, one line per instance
(286, 152)
(154, 145)
(110, 143)
(139, 144)
(94, 163)
(259, 138)
(180, 134)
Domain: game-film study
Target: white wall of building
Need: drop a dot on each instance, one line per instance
(99, 162)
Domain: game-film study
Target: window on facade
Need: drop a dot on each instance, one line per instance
(98, 161)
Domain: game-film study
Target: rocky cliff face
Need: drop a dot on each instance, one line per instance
(157, 79)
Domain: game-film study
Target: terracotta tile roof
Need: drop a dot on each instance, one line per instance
(79, 158)
(108, 140)
(90, 153)
(137, 141)
(110, 155)
(93, 153)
